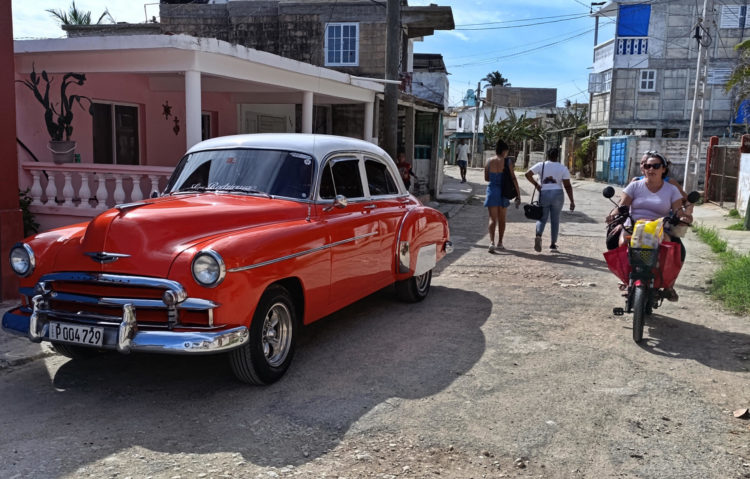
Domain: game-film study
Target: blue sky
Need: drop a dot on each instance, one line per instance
(556, 52)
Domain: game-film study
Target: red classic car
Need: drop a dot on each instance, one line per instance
(254, 236)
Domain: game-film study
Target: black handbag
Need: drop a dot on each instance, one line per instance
(533, 210)
(508, 187)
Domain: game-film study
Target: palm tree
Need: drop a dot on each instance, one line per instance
(496, 79)
(78, 17)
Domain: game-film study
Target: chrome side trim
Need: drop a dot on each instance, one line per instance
(398, 241)
(301, 253)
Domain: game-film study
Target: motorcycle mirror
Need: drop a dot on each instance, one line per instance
(693, 196)
(608, 192)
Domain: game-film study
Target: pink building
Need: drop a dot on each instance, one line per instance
(153, 97)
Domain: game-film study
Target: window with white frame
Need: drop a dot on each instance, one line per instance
(115, 134)
(648, 80)
(342, 44)
(600, 82)
(732, 16)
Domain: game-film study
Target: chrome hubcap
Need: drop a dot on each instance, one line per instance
(277, 334)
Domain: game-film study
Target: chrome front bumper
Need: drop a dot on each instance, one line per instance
(126, 337)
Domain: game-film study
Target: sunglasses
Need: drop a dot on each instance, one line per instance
(648, 166)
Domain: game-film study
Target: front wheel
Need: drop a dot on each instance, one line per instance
(640, 305)
(414, 289)
(266, 356)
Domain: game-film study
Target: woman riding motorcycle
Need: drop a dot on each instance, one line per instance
(652, 198)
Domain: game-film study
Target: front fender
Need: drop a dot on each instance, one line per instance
(423, 240)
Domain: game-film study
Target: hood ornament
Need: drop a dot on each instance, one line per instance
(104, 257)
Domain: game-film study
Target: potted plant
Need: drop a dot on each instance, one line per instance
(59, 121)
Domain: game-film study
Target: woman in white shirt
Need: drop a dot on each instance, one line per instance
(551, 178)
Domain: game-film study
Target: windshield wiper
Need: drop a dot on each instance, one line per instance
(192, 189)
(249, 191)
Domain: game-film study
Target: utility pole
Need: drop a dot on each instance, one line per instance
(695, 134)
(476, 127)
(392, 54)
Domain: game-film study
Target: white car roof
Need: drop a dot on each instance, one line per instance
(319, 146)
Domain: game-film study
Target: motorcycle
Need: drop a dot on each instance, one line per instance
(647, 265)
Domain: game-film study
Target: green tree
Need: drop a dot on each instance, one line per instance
(739, 80)
(513, 129)
(74, 16)
(496, 79)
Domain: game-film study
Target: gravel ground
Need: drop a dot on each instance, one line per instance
(514, 366)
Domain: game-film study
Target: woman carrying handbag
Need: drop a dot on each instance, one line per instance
(502, 187)
(552, 178)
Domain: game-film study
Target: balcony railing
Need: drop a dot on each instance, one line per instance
(77, 189)
(632, 46)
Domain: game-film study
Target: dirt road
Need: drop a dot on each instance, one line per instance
(513, 367)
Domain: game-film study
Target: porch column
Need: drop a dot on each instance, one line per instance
(192, 107)
(367, 134)
(307, 112)
(11, 229)
(409, 133)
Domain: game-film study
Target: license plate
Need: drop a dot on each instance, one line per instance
(72, 333)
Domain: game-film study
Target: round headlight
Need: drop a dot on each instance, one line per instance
(208, 268)
(22, 259)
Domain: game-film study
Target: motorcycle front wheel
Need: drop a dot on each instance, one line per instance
(640, 304)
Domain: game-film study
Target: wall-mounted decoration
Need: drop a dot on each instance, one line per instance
(176, 128)
(166, 110)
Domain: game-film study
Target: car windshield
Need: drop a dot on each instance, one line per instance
(268, 172)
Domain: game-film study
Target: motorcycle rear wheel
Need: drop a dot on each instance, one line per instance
(640, 305)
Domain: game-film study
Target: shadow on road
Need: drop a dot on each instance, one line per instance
(721, 350)
(361, 360)
(562, 258)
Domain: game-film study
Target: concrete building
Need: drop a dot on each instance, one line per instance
(643, 79)
(348, 36)
(515, 97)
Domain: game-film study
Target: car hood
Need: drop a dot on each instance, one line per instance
(145, 238)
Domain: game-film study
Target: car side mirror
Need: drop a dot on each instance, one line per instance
(154, 194)
(339, 202)
(608, 192)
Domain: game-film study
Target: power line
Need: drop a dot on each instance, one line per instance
(576, 15)
(521, 26)
(490, 60)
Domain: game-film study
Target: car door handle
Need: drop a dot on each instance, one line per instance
(370, 207)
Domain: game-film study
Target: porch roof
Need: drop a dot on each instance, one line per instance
(251, 76)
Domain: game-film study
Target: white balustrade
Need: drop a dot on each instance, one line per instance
(85, 192)
(101, 193)
(119, 192)
(74, 181)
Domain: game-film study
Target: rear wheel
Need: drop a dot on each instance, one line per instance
(266, 356)
(640, 305)
(414, 289)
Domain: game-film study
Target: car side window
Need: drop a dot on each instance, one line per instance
(379, 179)
(341, 177)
